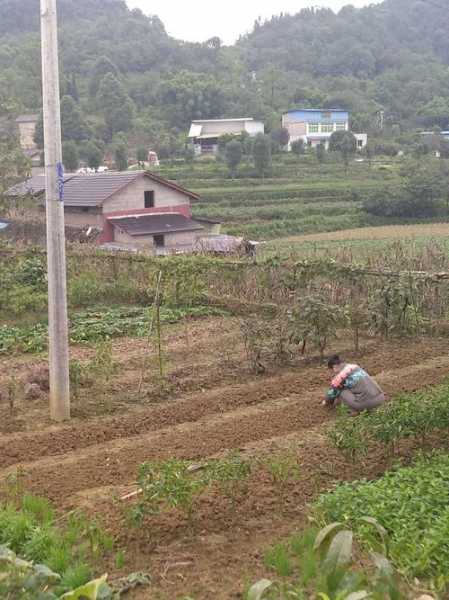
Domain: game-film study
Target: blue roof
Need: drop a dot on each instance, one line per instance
(320, 110)
(315, 115)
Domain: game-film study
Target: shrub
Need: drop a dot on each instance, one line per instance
(401, 204)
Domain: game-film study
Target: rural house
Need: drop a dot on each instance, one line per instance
(132, 209)
(27, 129)
(204, 135)
(315, 126)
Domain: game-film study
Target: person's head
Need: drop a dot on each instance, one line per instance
(335, 363)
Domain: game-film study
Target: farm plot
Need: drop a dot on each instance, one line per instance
(94, 462)
(236, 399)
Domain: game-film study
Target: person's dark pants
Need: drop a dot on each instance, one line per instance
(348, 398)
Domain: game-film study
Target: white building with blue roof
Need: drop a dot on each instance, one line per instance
(315, 126)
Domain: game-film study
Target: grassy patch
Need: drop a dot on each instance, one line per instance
(31, 529)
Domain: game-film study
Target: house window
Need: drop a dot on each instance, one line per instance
(149, 199)
(327, 127)
(159, 241)
(327, 115)
(85, 209)
(314, 128)
(360, 143)
(340, 126)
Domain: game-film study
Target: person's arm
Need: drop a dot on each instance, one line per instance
(338, 384)
(331, 396)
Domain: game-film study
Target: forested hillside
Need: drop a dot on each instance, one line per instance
(125, 79)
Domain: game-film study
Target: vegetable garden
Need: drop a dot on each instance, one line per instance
(200, 462)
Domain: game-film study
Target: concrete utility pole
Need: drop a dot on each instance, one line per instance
(54, 185)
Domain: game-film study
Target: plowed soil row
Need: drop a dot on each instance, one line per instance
(116, 462)
(52, 441)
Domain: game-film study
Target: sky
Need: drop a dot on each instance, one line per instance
(199, 20)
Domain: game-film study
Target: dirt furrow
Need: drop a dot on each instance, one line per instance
(116, 462)
(25, 447)
(53, 441)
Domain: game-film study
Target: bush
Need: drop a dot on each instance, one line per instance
(401, 204)
(386, 149)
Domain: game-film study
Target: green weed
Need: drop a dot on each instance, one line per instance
(278, 559)
(30, 529)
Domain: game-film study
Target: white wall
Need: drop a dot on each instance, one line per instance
(362, 140)
(254, 127)
(184, 240)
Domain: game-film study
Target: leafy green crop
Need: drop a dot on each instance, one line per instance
(23, 580)
(96, 325)
(410, 415)
(412, 504)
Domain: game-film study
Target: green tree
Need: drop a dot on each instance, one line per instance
(94, 155)
(281, 137)
(103, 66)
(233, 154)
(70, 156)
(298, 147)
(72, 122)
(345, 143)
(262, 154)
(142, 156)
(121, 157)
(189, 96)
(116, 105)
(321, 153)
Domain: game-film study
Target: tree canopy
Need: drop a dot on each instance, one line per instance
(126, 74)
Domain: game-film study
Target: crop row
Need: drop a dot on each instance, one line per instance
(411, 503)
(94, 326)
(408, 416)
(277, 211)
(266, 230)
(298, 191)
(296, 176)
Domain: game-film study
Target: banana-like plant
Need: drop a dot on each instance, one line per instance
(337, 578)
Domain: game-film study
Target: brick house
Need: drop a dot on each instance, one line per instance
(131, 209)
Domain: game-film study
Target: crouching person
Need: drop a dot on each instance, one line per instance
(351, 385)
